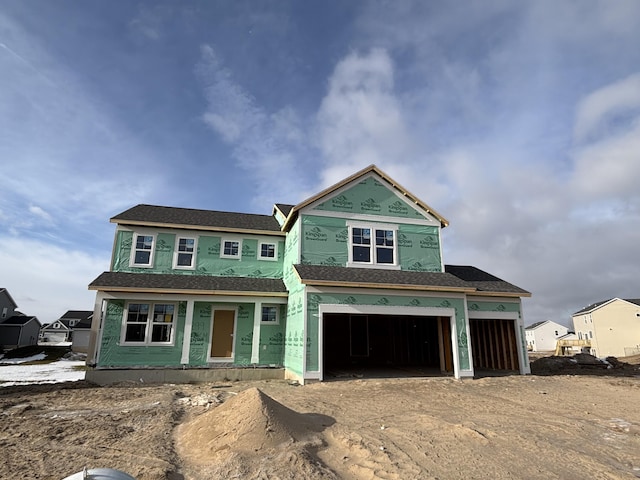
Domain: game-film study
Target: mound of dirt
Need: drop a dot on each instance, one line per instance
(582, 363)
(241, 435)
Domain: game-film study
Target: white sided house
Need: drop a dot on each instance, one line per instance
(612, 327)
(542, 336)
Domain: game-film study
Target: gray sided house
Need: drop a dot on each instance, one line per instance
(351, 278)
(7, 305)
(16, 329)
(19, 331)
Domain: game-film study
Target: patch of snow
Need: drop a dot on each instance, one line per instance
(55, 372)
(14, 361)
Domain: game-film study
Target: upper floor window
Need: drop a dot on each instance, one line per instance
(372, 245)
(267, 251)
(184, 254)
(142, 252)
(4, 312)
(231, 248)
(148, 323)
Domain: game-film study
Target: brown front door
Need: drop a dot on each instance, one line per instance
(222, 334)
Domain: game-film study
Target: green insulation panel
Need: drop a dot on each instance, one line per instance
(370, 197)
(208, 260)
(291, 257)
(325, 241)
(113, 354)
(482, 306)
(315, 300)
(271, 346)
(419, 248)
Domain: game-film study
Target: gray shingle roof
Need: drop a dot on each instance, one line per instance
(483, 281)
(535, 325)
(77, 314)
(153, 214)
(315, 273)
(285, 208)
(593, 306)
(18, 320)
(201, 283)
(454, 277)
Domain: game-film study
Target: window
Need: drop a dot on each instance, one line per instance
(361, 244)
(4, 312)
(384, 246)
(267, 251)
(373, 245)
(142, 254)
(231, 248)
(142, 327)
(270, 314)
(184, 254)
(590, 334)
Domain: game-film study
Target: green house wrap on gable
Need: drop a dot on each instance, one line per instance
(370, 197)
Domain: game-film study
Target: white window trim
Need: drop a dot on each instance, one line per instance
(231, 239)
(176, 252)
(275, 251)
(277, 320)
(134, 241)
(373, 226)
(148, 332)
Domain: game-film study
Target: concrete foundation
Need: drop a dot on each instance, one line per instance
(194, 375)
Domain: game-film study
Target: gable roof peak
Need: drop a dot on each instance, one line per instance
(353, 178)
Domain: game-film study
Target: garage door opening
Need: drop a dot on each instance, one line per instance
(494, 345)
(357, 345)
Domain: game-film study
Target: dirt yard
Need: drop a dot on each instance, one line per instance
(560, 424)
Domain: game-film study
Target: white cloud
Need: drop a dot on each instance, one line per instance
(607, 152)
(45, 280)
(39, 212)
(269, 146)
(599, 108)
(360, 119)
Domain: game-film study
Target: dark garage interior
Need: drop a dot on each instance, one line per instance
(384, 345)
(494, 345)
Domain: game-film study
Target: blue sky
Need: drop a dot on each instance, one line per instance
(517, 121)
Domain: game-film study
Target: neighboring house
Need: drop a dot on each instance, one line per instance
(19, 331)
(7, 305)
(16, 328)
(61, 330)
(542, 336)
(82, 334)
(612, 326)
(351, 277)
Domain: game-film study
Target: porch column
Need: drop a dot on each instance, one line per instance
(96, 328)
(255, 345)
(186, 339)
